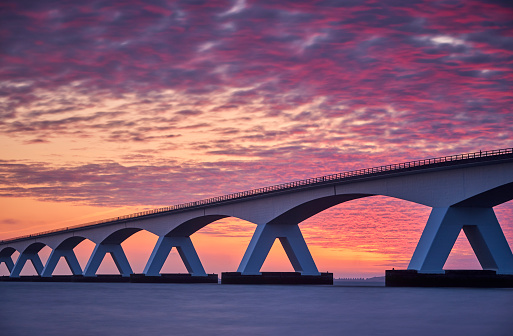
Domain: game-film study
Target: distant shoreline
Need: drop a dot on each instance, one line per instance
(373, 279)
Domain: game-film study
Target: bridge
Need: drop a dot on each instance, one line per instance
(461, 190)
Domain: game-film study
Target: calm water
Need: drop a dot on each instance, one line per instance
(210, 309)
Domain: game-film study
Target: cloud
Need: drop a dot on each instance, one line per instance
(9, 221)
(166, 96)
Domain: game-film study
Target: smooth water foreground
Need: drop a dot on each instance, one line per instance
(210, 309)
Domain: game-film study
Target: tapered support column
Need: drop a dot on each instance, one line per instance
(54, 258)
(185, 249)
(8, 262)
(489, 243)
(6, 257)
(293, 242)
(118, 255)
(22, 259)
(481, 228)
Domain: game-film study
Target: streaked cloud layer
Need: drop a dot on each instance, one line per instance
(149, 103)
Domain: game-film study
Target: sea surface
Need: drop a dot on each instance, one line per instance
(347, 308)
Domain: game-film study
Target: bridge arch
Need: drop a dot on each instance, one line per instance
(120, 235)
(30, 253)
(6, 257)
(309, 208)
(192, 225)
(7, 251)
(489, 198)
(110, 243)
(64, 249)
(284, 226)
(179, 238)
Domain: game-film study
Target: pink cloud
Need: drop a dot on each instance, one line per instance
(301, 89)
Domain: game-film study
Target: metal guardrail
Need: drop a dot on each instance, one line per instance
(283, 186)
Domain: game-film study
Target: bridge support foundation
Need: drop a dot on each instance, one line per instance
(276, 278)
(118, 255)
(451, 278)
(293, 242)
(185, 249)
(482, 230)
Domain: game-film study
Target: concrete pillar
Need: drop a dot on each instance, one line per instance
(6, 257)
(55, 256)
(482, 230)
(118, 255)
(488, 241)
(185, 249)
(292, 241)
(30, 253)
(8, 262)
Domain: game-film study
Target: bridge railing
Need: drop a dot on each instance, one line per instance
(283, 186)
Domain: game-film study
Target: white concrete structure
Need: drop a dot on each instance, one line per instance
(462, 190)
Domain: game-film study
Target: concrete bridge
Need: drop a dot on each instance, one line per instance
(461, 189)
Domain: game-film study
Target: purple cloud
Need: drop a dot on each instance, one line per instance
(185, 93)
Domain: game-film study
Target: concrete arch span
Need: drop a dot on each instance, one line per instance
(178, 236)
(194, 224)
(6, 257)
(310, 208)
(64, 250)
(29, 253)
(489, 198)
(111, 244)
(7, 251)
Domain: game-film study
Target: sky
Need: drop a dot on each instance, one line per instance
(109, 108)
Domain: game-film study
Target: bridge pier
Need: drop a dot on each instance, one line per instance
(6, 257)
(30, 253)
(8, 262)
(185, 249)
(118, 255)
(482, 230)
(292, 241)
(55, 256)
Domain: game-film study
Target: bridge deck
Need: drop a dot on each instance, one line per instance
(447, 162)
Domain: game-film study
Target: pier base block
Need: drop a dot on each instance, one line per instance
(102, 278)
(135, 278)
(174, 278)
(37, 278)
(451, 278)
(276, 278)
